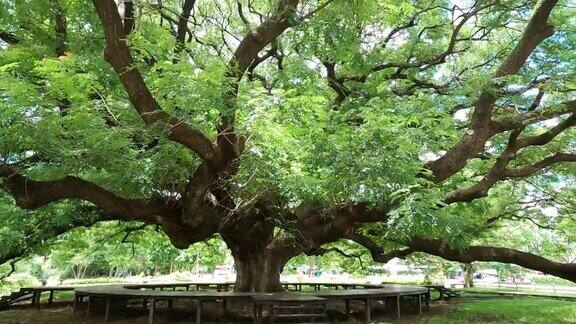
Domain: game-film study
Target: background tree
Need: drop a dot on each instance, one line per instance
(284, 126)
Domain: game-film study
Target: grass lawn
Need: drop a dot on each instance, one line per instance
(510, 291)
(467, 309)
(516, 310)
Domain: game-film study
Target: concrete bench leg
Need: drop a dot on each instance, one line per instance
(199, 311)
(107, 310)
(78, 299)
(368, 304)
(420, 304)
(36, 299)
(74, 304)
(398, 306)
(224, 310)
(51, 297)
(151, 313)
(347, 303)
(88, 308)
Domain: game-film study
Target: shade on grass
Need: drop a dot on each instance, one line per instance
(524, 310)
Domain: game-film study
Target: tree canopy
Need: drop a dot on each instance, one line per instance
(442, 127)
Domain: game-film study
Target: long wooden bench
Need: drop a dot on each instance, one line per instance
(151, 293)
(279, 305)
(276, 301)
(34, 294)
(289, 306)
(109, 293)
(370, 296)
(317, 286)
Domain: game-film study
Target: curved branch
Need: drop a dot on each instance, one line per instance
(183, 25)
(32, 194)
(378, 254)
(549, 135)
(129, 19)
(535, 116)
(498, 254)
(60, 28)
(118, 55)
(247, 51)
(322, 251)
(482, 127)
(316, 10)
(528, 170)
(499, 170)
(9, 37)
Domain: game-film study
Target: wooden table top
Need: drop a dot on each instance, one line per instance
(285, 297)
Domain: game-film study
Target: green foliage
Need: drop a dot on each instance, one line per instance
(70, 115)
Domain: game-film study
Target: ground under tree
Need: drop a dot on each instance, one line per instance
(284, 126)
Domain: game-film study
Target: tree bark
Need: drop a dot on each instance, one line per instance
(257, 270)
(498, 254)
(468, 275)
(259, 253)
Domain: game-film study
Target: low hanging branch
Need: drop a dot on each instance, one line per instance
(32, 194)
(378, 254)
(323, 251)
(12, 268)
(498, 254)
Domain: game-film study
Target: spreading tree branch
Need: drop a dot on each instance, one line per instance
(9, 37)
(498, 254)
(500, 171)
(60, 28)
(183, 25)
(129, 18)
(247, 51)
(118, 55)
(378, 254)
(482, 127)
(32, 194)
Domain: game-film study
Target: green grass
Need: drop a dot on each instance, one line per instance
(533, 292)
(517, 310)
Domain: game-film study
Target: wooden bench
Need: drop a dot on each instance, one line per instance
(110, 293)
(370, 296)
(34, 294)
(297, 306)
(292, 306)
(444, 293)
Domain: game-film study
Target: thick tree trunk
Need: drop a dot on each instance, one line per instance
(468, 275)
(259, 255)
(257, 270)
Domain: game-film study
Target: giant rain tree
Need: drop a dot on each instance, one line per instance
(286, 125)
